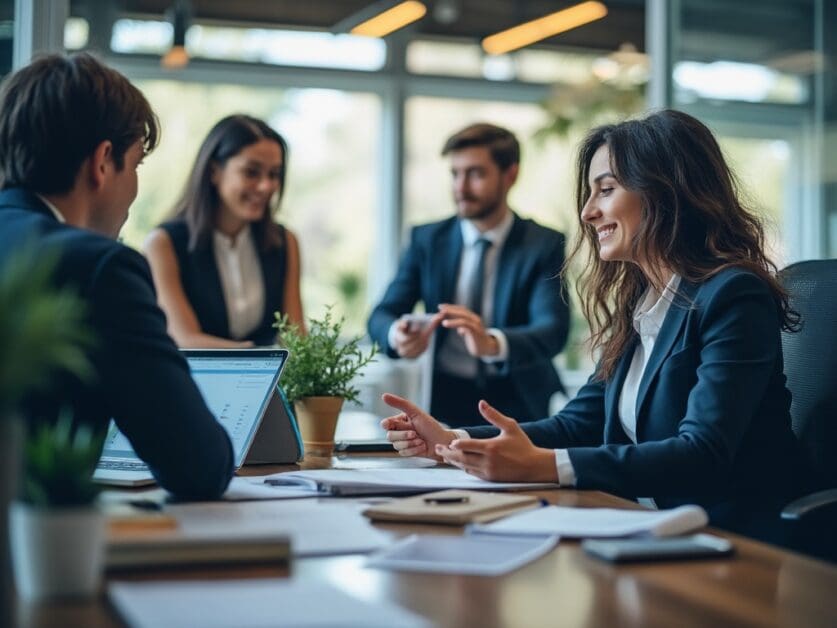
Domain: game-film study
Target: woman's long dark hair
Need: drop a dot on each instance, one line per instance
(692, 223)
(198, 205)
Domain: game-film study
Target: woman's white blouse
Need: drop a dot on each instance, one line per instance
(648, 318)
(241, 281)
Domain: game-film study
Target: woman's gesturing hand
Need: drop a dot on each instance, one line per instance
(508, 457)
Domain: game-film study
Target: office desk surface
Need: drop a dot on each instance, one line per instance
(760, 586)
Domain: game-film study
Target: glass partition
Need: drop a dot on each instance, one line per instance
(7, 31)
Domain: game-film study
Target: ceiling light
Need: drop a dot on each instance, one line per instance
(179, 15)
(382, 18)
(541, 28)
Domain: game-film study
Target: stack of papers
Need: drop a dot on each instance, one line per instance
(253, 603)
(391, 481)
(597, 522)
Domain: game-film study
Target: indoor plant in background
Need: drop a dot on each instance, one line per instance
(56, 530)
(41, 331)
(318, 376)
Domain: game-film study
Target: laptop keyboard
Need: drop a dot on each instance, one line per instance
(123, 465)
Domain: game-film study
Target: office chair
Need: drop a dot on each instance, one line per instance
(811, 369)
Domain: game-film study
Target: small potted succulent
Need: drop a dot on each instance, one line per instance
(319, 374)
(56, 530)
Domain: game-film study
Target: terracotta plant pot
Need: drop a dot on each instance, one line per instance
(317, 419)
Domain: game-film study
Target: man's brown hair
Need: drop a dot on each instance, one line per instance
(501, 143)
(55, 112)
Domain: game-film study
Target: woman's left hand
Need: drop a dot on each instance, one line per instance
(508, 457)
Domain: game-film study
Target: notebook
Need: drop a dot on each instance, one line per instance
(174, 547)
(240, 387)
(452, 507)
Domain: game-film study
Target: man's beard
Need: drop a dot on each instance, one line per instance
(483, 211)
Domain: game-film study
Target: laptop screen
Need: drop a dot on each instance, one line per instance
(236, 385)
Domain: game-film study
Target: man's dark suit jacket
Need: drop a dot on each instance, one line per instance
(140, 378)
(530, 306)
(713, 413)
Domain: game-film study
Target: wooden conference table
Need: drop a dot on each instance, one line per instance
(759, 586)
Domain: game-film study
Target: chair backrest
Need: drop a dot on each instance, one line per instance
(811, 363)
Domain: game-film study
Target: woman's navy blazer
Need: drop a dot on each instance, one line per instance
(713, 412)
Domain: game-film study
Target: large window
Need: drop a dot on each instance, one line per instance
(761, 80)
(330, 187)
(763, 169)
(544, 188)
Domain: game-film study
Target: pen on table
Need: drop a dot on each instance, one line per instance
(146, 504)
(459, 499)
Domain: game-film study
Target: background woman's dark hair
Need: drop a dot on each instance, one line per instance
(693, 223)
(55, 112)
(198, 205)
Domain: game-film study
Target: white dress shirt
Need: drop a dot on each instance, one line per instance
(241, 281)
(453, 356)
(648, 318)
(55, 212)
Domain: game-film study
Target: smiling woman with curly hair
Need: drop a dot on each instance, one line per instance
(688, 402)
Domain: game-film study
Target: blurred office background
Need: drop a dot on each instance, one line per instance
(366, 117)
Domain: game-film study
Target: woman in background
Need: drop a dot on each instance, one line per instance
(688, 402)
(222, 266)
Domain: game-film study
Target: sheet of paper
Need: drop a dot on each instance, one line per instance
(383, 480)
(258, 603)
(471, 555)
(253, 487)
(381, 462)
(315, 527)
(596, 522)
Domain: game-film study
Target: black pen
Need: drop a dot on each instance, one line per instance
(463, 499)
(146, 504)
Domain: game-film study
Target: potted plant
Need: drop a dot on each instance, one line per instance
(57, 532)
(41, 331)
(318, 376)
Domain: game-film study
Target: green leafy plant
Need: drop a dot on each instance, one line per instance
(59, 465)
(41, 327)
(320, 364)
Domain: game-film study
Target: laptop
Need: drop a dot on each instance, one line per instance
(240, 387)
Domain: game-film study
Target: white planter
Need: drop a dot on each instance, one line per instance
(56, 552)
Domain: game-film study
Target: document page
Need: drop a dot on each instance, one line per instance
(597, 522)
(471, 555)
(309, 523)
(254, 487)
(253, 603)
(390, 481)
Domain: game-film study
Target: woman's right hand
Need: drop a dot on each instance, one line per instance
(413, 432)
